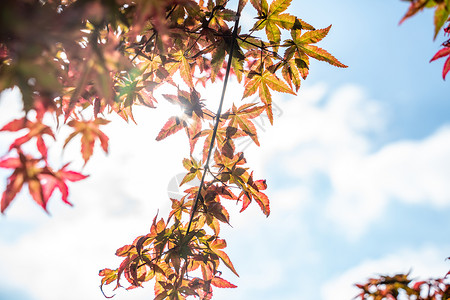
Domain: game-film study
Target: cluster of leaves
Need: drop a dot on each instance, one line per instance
(441, 17)
(36, 172)
(59, 74)
(400, 286)
(100, 57)
(180, 247)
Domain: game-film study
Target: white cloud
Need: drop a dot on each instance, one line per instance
(330, 138)
(424, 263)
(411, 172)
(127, 187)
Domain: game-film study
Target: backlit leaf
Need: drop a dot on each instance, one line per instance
(184, 67)
(226, 260)
(58, 180)
(89, 131)
(272, 19)
(221, 283)
(302, 46)
(173, 125)
(241, 117)
(262, 83)
(321, 54)
(35, 130)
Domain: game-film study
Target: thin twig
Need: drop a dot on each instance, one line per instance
(216, 125)
(153, 35)
(253, 30)
(263, 48)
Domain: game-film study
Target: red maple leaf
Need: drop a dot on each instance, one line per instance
(41, 180)
(36, 129)
(58, 180)
(442, 53)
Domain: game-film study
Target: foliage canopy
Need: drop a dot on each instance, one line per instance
(101, 57)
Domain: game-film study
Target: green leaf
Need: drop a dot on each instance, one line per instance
(440, 16)
(272, 18)
(185, 69)
(302, 45)
(264, 80)
(278, 6)
(291, 74)
(321, 54)
(188, 177)
(313, 36)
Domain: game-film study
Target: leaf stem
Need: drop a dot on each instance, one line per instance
(263, 48)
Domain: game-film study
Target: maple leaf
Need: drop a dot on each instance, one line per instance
(271, 18)
(217, 59)
(15, 181)
(261, 199)
(218, 211)
(229, 164)
(442, 53)
(36, 129)
(219, 14)
(213, 223)
(221, 283)
(58, 180)
(190, 103)
(263, 83)
(173, 125)
(34, 184)
(241, 117)
(250, 190)
(108, 275)
(133, 89)
(302, 45)
(441, 15)
(291, 73)
(222, 46)
(126, 250)
(193, 114)
(416, 6)
(183, 65)
(89, 133)
(178, 207)
(195, 170)
(224, 139)
(41, 181)
(239, 176)
(216, 247)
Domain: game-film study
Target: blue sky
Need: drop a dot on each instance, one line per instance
(357, 165)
